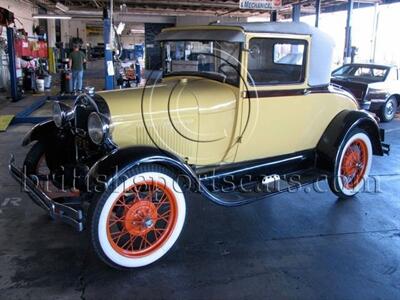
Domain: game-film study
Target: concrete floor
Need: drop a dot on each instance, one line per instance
(303, 245)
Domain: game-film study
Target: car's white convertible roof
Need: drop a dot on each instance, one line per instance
(321, 48)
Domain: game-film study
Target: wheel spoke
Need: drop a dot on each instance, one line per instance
(163, 199)
(144, 242)
(115, 220)
(120, 234)
(136, 192)
(158, 232)
(164, 214)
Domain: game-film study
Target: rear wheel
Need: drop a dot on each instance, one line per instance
(353, 165)
(388, 111)
(138, 218)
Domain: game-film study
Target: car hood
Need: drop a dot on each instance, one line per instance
(173, 106)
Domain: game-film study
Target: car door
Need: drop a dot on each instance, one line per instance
(278, 116)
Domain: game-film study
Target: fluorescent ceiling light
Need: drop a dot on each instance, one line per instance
(137, 30)
(62, 7)
(51, 17)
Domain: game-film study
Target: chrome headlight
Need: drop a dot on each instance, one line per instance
(98, 128)
(61, 113)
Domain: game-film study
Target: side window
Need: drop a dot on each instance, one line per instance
(276, 61)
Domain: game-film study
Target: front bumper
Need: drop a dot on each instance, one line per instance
(56, 210)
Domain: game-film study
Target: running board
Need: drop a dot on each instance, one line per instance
(255, 191)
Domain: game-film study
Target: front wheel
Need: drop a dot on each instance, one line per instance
(388, 110)
(352, 165)
(35, 161)
(138, 218)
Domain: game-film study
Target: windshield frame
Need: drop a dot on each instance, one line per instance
(208, 75)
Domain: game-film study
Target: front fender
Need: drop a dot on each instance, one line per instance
(40, 132)
(102, 173)
(337, 131)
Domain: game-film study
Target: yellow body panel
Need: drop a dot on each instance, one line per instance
(283, 125)
(191, 117)
(204, 121)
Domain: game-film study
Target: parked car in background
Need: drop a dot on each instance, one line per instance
(376, 87)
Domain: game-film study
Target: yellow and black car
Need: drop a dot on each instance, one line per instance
(242, 111)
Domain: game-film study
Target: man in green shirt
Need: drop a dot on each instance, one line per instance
(76, 61)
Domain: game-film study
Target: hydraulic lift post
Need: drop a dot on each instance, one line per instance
(108, 55)
(12, 65)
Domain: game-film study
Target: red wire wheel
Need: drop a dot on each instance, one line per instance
(142, 218)
(354, 164)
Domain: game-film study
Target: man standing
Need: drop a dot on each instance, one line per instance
(76, 61)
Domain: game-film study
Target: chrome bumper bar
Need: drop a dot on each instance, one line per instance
(56, 210)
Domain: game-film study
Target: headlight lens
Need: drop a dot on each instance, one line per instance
(57, 114)
(61, 113)
(97, 128)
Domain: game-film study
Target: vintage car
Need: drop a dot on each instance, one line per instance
(242, 112)
(376, 87)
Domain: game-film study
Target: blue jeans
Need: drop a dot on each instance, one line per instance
(77, 80)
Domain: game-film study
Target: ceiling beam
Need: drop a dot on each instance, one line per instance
(205, 4)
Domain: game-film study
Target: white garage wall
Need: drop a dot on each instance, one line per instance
(388, 42)
(388, 45)
(22, 10)
(70, 28)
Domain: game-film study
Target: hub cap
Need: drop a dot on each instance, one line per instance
(390, 108)
(141, 219)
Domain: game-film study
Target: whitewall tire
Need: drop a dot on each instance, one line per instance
(138, 219)
(353, 164)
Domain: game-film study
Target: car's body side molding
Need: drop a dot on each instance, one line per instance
(338, 129)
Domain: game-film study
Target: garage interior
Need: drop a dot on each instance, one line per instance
(306, 244)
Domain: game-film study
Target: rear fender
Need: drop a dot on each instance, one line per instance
(337, 131)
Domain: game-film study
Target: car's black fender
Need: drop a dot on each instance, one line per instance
(59, 147)
(337, 131)
(102, 173)
(41, 132)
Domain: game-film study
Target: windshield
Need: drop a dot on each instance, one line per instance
(213, 59)
(374, 73)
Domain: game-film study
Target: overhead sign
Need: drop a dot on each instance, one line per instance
(260, 4)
